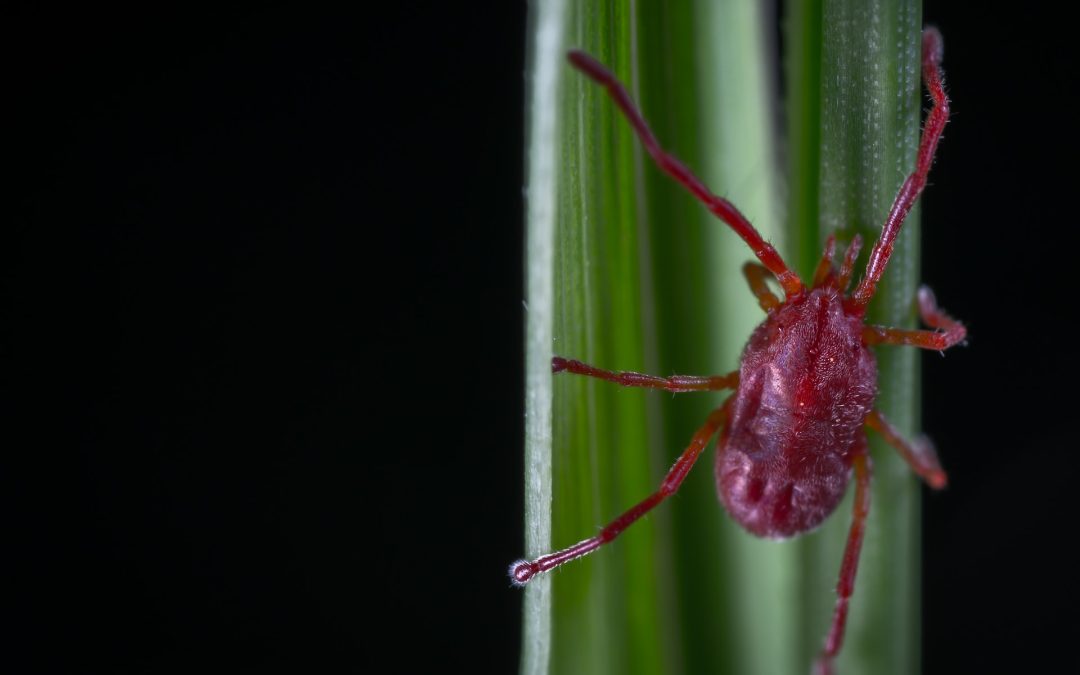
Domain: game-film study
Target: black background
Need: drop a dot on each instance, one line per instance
(226, 230)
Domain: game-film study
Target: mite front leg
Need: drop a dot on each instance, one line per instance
(920, 455)
(825, 268)
(950, 331)
(848, 265)
(916, 181)
(675, 384)
(850, 565)
(757, 275)
(669, 164)
(524, 570)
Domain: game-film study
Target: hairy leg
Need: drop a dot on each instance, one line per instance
(919, 454)
(914, 184)
(524, 570)
(718, 206)
(850, 564)
(675, 384)
(825, 268)
(949, 331)
(756, 275)
(848, 265)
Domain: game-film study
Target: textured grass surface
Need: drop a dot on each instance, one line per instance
(861, 142)
(626, 271)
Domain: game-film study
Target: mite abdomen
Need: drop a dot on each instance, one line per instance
(806, 385)
(781, 493)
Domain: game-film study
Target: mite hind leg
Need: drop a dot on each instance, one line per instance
(675, 384)
(919, 454)
(524, 570)
(948, 331)
(850, 565)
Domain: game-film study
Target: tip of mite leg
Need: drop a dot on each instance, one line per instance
(558, 364)
(927, 299)
(521, 571)
(937, 480)
(579, 58)
(933, 44)
(588, 65)
(961, 334)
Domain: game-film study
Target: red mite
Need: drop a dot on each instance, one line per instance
(793, 432)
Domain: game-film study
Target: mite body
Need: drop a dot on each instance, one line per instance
(795, 423)
(793, 434)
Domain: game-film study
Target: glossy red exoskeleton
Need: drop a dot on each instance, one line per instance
(793, 433)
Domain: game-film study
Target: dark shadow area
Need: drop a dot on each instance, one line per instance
(262, 328)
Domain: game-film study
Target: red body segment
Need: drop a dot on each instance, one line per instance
(806, 385)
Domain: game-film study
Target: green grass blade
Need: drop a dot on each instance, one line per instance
(854, 125)
(601, 460)
(546, 20)
(643, 279)
(709, 100)
(626, 271)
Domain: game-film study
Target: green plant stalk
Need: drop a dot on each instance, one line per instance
(626, 271)
(854, 130)
(710, 103)
(546, 20)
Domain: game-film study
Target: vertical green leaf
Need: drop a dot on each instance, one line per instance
(546, 39)
(626, 271)
(709, 101)
(855, 130)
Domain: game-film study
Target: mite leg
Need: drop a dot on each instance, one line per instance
(675, 384)
(849, 566)
(924, 339)
(848, 265)
(933, 316)
(524, 570)
(824, 268)
(756, 275)
(913, 186)
(720, 207)
(920, 454)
